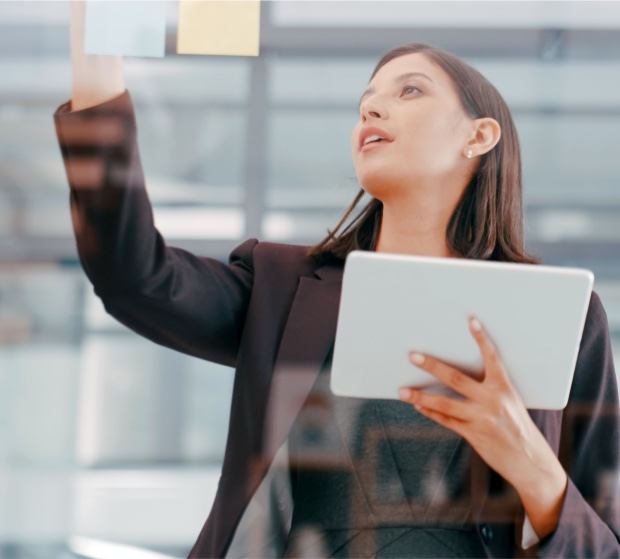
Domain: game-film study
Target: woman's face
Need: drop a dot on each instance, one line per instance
(413, 104)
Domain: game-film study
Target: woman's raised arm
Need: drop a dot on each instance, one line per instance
(177, 299)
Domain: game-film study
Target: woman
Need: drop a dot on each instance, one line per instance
(436, 149)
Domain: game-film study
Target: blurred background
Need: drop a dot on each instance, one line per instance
(108, 440)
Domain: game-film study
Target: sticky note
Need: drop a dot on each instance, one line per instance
(128, 28)
(221, 27)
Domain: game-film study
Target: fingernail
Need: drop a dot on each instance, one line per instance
(417, 358)
(404, 393)
(475, 325)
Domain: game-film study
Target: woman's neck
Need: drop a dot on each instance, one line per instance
(418, 228)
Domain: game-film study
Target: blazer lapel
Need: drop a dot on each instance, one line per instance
(308, 336)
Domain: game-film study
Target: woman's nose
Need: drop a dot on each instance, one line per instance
(371, 108)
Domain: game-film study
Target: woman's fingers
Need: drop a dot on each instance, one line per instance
(494, 370)
(424, 402)
(449, 422)
(455, 379)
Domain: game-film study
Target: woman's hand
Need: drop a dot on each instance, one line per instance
(494, 421)
(96, 78)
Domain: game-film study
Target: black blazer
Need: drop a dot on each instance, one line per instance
(271, 313)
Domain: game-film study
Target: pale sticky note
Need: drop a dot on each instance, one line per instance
(222, 27)
(128, 28)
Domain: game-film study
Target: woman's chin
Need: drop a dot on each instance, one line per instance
(378, 185)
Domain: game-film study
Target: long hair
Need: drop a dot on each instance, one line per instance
(487, 223)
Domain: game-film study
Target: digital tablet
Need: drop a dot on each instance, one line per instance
(392, 305)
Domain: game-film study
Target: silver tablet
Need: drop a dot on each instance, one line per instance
(392, 305)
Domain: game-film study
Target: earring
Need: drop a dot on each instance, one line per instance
(469, 154)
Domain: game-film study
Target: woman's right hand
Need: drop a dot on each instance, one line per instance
(96, 78)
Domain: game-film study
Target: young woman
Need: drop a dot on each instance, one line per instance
(436, 149)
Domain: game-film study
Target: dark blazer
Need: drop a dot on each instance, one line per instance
(271, 313)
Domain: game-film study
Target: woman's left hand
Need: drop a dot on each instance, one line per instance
(494, 421)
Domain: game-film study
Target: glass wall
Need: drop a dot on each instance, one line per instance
(105, 436)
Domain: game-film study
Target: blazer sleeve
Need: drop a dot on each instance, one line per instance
(589, 523)
(185, 302)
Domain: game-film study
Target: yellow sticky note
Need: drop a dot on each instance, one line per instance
(223, 27)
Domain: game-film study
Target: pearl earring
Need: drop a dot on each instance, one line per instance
(469, 154)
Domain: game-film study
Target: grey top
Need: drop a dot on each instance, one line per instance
(374, 478)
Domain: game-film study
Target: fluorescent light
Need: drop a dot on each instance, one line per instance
(100, 549)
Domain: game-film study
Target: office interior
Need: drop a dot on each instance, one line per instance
(111, 446)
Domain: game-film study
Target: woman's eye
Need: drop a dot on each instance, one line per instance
(410, 89)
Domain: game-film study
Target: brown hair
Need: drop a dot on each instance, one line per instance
(487, 223)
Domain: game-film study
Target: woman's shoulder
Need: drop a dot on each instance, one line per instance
(595, 377)
(263, 250)
(280, 256)
(596, 317)
(294, 253)
(284, 251)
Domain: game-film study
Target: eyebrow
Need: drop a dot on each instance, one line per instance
(400, 78)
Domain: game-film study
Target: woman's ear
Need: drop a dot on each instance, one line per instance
(486, 134)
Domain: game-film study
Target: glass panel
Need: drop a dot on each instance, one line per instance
(191, 124)
(561, 167)
(77, 388)
(193, 157)
(556, 224)
(103, 432)
(310, 176)
(193, 148)
(187, 80)
(304, 226)
(206, 405)
(446, 14)
(329, 81)
(310, 152)
(168, 407)
(32, 178)
(62, 358)
(557, 84)
(39, 365)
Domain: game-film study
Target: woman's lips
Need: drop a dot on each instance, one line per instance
(370, 131)
(373, 145)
